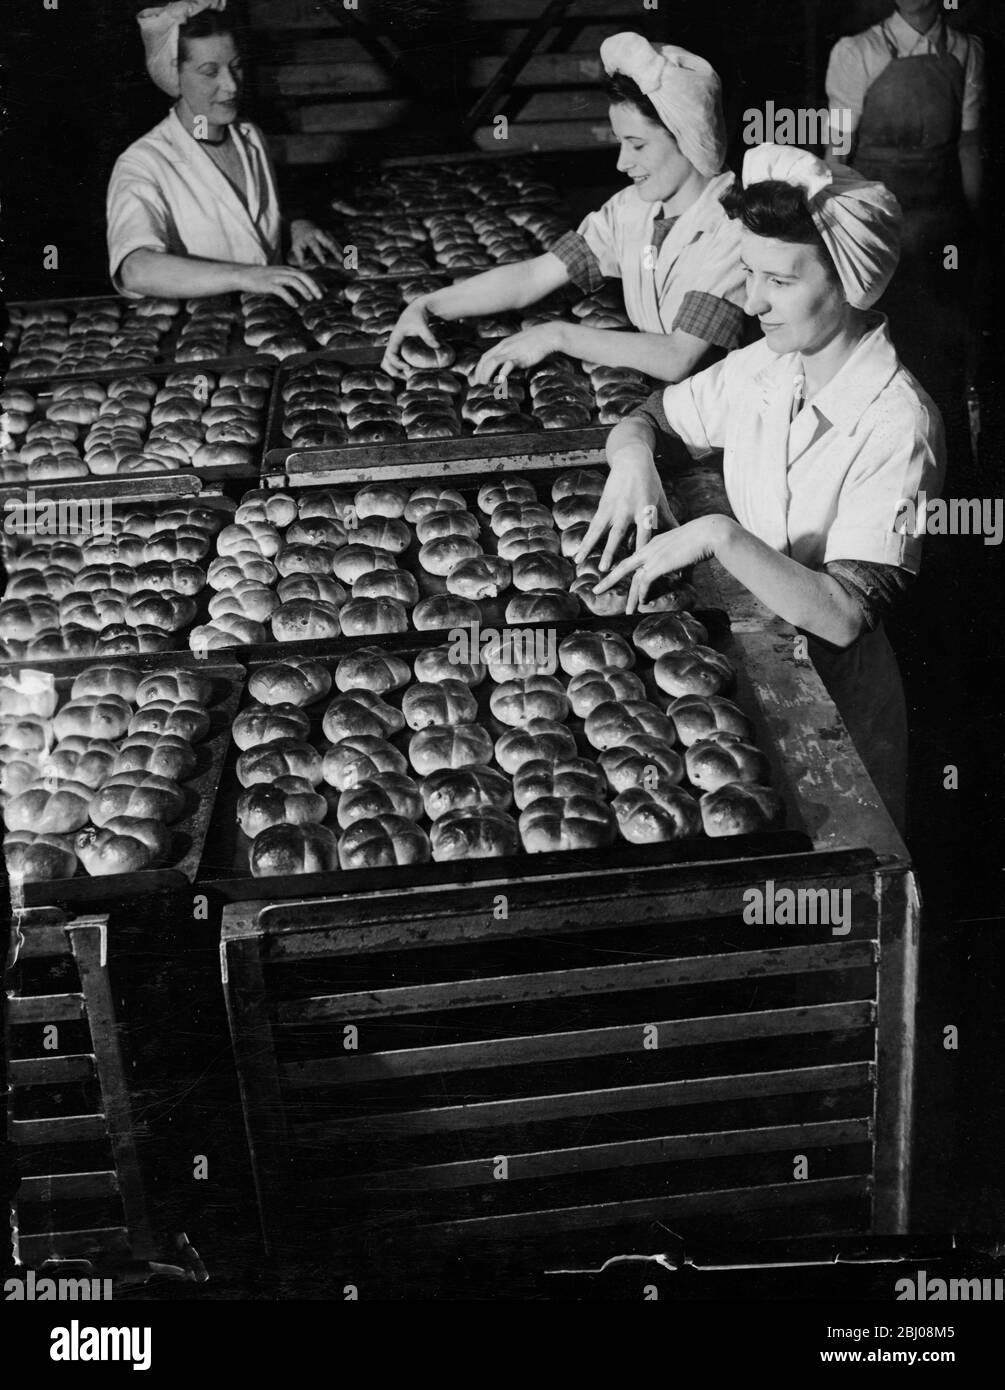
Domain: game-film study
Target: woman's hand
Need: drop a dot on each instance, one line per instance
(633, 496)
(413, 323)
(523, 349)
(308, 240)
(669, 553)
(284, 281)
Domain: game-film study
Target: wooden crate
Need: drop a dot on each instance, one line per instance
(424, 1080)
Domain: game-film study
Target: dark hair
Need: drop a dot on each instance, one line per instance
(776, 209)
(625, 91)
(204, 25)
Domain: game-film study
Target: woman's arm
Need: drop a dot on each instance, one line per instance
(809, 600)
(506, 287)
(189, 277)
(667, 356)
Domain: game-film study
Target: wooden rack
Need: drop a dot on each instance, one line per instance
(620, 1054)
(336, 77)
(48, 1186)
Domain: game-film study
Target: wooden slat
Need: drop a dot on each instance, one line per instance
(541, 136)
(720, 1202)
(594, 1158)
(56, 1187)
(48, 1071)
(452, 914)
(308, 149)
(574, 105)
(281, 15)
(309, 75)
(585, 1042)
(64, 1245)
(569, 984)
(579, 39)
(896, 1044)
(59, 1129)
(257, 1075)
(523, 136)
(88, 943)
(45, 940)
(618, 1100)
(351, 115)
(44, 1008)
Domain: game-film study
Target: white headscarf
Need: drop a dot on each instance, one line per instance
(684, 89)
(159, 30)
(859, 220)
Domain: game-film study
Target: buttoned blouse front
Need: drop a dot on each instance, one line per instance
(701, 253)
(167, 194)
(830, 483)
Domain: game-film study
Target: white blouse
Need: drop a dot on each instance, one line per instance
(832, 483)
(166, 194)
(701, 252)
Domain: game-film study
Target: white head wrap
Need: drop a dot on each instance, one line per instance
(159, 30)
(859, 220)
(684, 89)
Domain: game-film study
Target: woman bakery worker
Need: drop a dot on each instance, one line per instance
(192, 207)
(826, 438)
(666, 236)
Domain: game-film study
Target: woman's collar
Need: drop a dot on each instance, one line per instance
(907, 35)
(867, 371)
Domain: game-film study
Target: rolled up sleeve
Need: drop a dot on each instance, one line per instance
(138, 217)
(597, 229)
(697, 410)
(579, 260)
(898, 470)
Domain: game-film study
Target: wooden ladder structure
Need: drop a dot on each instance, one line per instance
(336, 77)
(47, 1145)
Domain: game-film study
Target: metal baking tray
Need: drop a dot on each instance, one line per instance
(182, 482)
(188, 835)
(225, 870)
(236, 353)
(422, 456)
(173, 655)
(539, 471)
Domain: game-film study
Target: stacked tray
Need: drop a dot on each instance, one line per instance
(120, 335)
(85, 744)
(169, 428)
(452, 242)
(436, 413)
(386, 558)
(466, 184)
(358, 811)
(130, 581)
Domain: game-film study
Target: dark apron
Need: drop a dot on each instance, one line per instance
(864, 682)
(908, 139)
